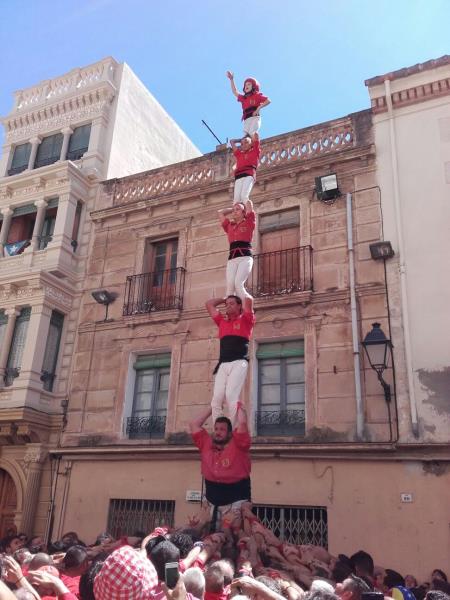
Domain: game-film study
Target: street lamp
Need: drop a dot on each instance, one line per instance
(378, 349)
(104, 297)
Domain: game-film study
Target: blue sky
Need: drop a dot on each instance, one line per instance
(311, 57)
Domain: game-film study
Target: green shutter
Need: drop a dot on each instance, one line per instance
(281, 349)
(28, 209)
(53, 203)
(152, 361)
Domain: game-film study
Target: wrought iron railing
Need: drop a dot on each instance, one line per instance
(149, 292)
(76, 154)
(10, 374)
(280, 422)
(146, 427)
(295, 524)
(127, 516)
(17, 170)
(281, 272)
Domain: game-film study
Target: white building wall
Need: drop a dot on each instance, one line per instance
(144, 136)
(414, 142)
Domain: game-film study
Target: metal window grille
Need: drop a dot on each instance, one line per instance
(49, 150)
(79, 142)
(17, 346)
(295, 524)
(127, 516)
(48, 372)
(20, 159)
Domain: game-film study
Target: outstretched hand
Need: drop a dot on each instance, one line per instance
(230, 75)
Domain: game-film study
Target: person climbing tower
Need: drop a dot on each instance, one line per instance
(252, 101)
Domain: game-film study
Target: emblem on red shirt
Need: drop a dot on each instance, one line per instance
(225, 462)
(236, 325)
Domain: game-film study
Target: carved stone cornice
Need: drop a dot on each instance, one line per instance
(413, 95)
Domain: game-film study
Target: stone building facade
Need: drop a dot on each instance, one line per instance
(61, 138)
(330, 461)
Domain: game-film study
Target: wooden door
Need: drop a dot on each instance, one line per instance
(8, 504)
(278, 268)
(161, 264)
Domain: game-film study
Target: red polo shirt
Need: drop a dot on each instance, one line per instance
(242, 325)
(240, 232)
(247, 162)
(227, 465)
(250, 103)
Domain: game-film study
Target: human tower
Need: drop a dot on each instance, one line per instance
(238, 222)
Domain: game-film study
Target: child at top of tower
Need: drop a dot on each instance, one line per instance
(252, 101)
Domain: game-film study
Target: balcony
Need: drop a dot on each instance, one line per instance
(146, 427)
(150, 292)
(281, 272)
(280, 422)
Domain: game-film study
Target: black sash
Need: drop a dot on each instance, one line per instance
(232, 347)
(221, 494)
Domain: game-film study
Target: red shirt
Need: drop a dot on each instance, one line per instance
(247, 162)
(240, 232)
(241, 325)
(250, 103)
(227, 465)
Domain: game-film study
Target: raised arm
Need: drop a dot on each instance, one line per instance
(241, 418)
(196, 424)
(233, 86)
(248, 304)
(223, 212)
(248, 206)
(212, 304)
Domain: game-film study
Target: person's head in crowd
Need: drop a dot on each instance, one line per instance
(182, 541)
(321, 584)
(393, 579)
(194, 582)
(76, 561)
(436, 595)
(363, 564)
(41, 559)
(87, 580)
(125, 574)
(24, 538)
(438, 574)
(410, 581)
(103, 538)
(161, 554)
(71, 539)
(46, 589)
(218, 576)
(23, 556)
(57, 547)
(272, 584)
(379, 574)
(441, 585)
(352, 588)
(37, 544)
(11, 543)
(222, 430)
(341, 571)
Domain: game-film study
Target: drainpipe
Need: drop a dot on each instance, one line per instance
(355, 338)
(402, 265)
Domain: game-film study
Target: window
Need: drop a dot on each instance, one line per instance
(151, 389)
(126, 517)
(49, 150)
(281, 389)
(20, 159)
(17, 345)
(48, 225)
(296, 524)
(51, 350)
(164, 262)
(3, 324)
(283, 266)
(79, 142)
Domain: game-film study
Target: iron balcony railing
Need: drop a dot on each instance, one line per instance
(281, 272)
(280, 422)
(148, 292)
(146, 427)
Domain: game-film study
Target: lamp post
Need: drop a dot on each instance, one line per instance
(104, 297)
(379, 349)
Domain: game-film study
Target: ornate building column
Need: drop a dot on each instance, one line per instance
(7, 218)
(12, 314)
(40, 216)
(34, 148)
(34, 459)
(67, 132)
(65, 218)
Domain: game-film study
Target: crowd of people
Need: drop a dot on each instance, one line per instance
(243, 560)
